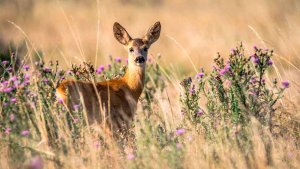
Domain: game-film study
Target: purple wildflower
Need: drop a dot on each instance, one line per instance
(36, 163)
(200, 75)
(9, 69)
(76, 106)
(46, 81)
(255, 47)
(270, 62)
(76, 120)
(179, 146)
(26, 76)
(7, 131)
(7, 90)
(26, 67)
(60, 100)
(5, 62)
(108, 66)
(180, 131)
(26, 82)
(25, 133)
(47, 70)
(192, 91)
(5, 104)
(130, 156)
(232, 51)
(100, 69)
(97, 144)
(253, 80)
(200, 112)
(285, 84)
(118, 59)
(12, 117)
(5, 83)
(14, 78)
(223, 71)
(256, 60)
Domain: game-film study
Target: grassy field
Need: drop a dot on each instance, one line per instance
(210, 101)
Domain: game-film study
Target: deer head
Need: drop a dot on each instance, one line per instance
(137, 48)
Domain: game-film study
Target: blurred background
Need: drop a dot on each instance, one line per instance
(193, 31)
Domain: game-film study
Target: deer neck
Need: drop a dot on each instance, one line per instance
(135, 79)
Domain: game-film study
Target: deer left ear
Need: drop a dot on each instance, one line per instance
(153, 33)
(121, 34)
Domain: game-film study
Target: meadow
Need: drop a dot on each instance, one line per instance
(221, 89)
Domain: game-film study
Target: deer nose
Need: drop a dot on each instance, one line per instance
(139, 59)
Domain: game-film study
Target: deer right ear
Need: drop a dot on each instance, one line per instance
(121, 34)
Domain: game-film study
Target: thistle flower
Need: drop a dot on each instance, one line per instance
(47, 70)
(7, 90)
(200, 75)
(270, 62)
(179, 146)
(76, 120)
(97, 144)
(180, 131)
(256, 60)
(5, 83)
(225, 69)
(222, 71)
(253, 80)
(118, 59)
(192, 91)
(200, 112)
(60, 100)
(130, 156)
(76, 106)
(5, 104)
(12, 117)
(25, 133)
(26, 76)
(26, 67)
(46, 81)
(232, 51)
(36, 163)
(5, 62)
(255, 48)
(26, 82)
(108, 66)
(9, 69)
(7, 130)
(100, 69)
(285, 84)
(13, 79)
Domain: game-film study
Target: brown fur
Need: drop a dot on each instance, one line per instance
(113, 102)
(117, 99)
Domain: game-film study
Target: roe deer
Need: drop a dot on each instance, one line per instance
(118, 98)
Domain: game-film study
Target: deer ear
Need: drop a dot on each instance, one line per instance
(153, 33)
(121, 34)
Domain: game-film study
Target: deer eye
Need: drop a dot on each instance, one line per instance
(131, 49)
(145, 49)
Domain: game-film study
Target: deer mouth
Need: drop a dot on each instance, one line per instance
(139, 59)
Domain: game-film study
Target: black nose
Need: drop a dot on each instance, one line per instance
(139, 59)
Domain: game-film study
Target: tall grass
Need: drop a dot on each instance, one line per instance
(238, 123)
